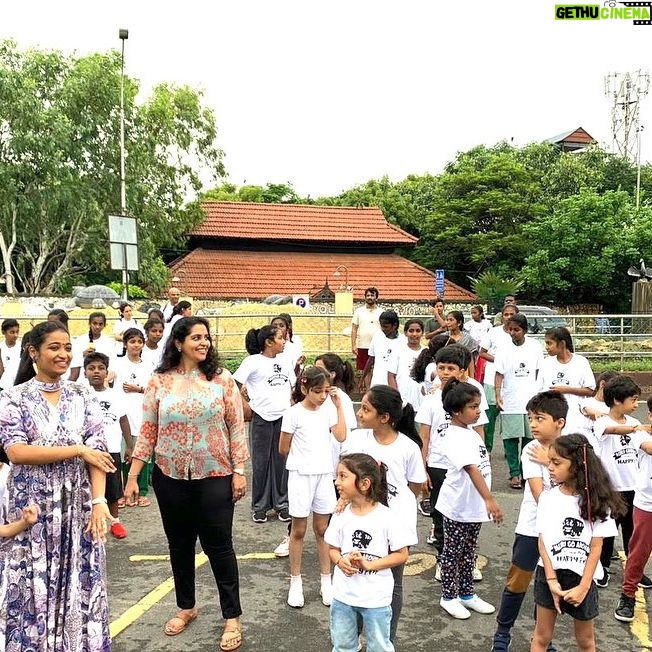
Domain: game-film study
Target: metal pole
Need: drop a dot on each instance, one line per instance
(638, 165)
(124, 35)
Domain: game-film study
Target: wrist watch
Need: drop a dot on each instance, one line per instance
(239, 471)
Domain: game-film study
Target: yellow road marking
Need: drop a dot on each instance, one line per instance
(249, 555)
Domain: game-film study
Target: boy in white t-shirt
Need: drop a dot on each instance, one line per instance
(116, 428)
(10, 350)
(383, 343)
(640, 544)
(547, 416)
(620, 459)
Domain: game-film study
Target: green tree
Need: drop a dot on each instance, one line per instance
(59, 166)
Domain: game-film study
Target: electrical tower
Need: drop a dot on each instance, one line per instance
(626, 90)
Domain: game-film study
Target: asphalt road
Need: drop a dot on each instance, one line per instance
(142, 597)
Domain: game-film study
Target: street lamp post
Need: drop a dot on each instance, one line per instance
(638, 165)
(337, 272)
(124, 35)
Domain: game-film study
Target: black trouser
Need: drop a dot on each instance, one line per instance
(626, 523)
(269, 479)
(199, 508)
(437, 477)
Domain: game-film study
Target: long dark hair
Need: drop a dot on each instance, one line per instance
(598, 498)
(456, 395)
(387, 400)
(427, 356)
(179, 307)
(171, 357)
(37, 337)
(126, 336)
(309, 377)
(364, 466)
(256, 337)
(343, 370)
(561, 334)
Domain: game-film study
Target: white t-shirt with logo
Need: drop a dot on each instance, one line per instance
(432, 413)
(575, 373)
(527, 516)
(269, 382)
(618, 453)
(491, 342)
(519, 366)
(113, 408)
(400, 363)
(351, 421)
(375, 535)
(404, 464)
(478, 329)
(643, 491)
(310, 449)
(10, 360)
(596, 406)
(134, 373)
(566, 535)
(368, 323)
(381, 348)
(458, 499)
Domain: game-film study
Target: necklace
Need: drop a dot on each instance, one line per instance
(48, 387)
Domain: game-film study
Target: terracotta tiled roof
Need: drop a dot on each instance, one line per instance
(292, 222)
(208, 273)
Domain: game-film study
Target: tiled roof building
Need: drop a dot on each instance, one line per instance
(249, 250)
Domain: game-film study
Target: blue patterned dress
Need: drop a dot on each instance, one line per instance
(52, 588)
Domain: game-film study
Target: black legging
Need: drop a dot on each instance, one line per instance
(199, 508)
(626, 528)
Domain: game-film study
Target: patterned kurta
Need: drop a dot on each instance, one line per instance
(52, 588)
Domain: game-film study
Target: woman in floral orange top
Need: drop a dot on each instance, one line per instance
(193, 423)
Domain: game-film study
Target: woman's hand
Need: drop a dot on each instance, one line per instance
(131, 491)
(99, 459)
(238, 486)
(97, 524)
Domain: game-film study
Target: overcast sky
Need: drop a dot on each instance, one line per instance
(329, 94)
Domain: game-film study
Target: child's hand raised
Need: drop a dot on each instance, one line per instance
(538, 454)
(335, 397)
(30, 514)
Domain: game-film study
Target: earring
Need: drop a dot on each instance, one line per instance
(179, 349)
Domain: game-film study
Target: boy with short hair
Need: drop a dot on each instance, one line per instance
(640, 544)
(10, 351)
(547, 413)
(116, 428)
(433, 421)
(620, 458)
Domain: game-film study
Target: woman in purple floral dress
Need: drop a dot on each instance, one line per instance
(52, 588)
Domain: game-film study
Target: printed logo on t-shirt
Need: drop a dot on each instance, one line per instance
(627, 454)
(360, 541)
(387, 355)
(278, 377)
(571, 549)
(108, 416)
(624, 440)
(443, 426)
(561, 379)
(521, 371)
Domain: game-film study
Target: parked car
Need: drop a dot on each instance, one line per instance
(541, 318)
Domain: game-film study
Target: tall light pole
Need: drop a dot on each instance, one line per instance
(638, 165)
(124, 35)
(338, 272)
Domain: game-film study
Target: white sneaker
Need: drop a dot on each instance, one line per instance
(455, 608)
(326, 592)
(477, 573)
(295, 595)
(430, 539)
(438, 572)
(478, 605)
(283, 548)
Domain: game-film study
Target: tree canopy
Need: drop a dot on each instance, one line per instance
(60, 162)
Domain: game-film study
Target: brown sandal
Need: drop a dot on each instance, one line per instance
(186, 618)
(231, 639)
(515, 482)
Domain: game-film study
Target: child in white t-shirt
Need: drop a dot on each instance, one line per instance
(365, 543)
(10, 350)
(572, 520)
(594, 406)
(306, 432)
(620, 458)
(116, 430)
(465, 500)
(388, 434)
(383, 343)
(401, 362)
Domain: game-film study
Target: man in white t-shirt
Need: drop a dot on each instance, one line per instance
(173, 298)
(10, 350)
(365, 322)
(517, 367)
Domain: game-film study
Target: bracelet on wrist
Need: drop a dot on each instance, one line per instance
(133, 475)
(551, 579)
(100, 500)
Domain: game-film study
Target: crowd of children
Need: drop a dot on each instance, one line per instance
(424, 429)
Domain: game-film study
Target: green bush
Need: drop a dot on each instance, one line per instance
(134, 291)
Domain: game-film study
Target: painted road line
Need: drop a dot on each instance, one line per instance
(131, 615)
(640, 626)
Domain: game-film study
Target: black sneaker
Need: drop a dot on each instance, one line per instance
(502, 642)
(284, 516)
(645, 582)
(259, 517)
(625, 609)
(603, 582)
(424, 507)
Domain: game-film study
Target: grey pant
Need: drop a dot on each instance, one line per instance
(269, 485)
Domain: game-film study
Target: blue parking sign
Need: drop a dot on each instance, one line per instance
(439, 282)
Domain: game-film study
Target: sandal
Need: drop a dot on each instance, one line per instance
(121, 503)
(144, 501)
(185, 617)
(515, 482)
(231, 639)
